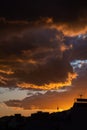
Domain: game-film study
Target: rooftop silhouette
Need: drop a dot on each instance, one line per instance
(72, 119)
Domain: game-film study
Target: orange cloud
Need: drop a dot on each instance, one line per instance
(70, 29)
(8, 72)
(30, 61)
(3, 80)
(63, 47)
(35, 49)
(50, 86)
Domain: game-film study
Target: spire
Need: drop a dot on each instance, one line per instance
(80, 95)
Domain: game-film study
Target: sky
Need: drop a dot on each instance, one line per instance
(43, 55)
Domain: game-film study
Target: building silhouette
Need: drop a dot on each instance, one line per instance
(73, 119)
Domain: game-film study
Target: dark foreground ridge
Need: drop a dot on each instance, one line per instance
(73, 119)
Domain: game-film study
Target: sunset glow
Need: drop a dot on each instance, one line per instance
(43, 55)
(50, 86)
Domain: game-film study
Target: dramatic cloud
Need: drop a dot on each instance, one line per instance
(32, 55)
(51, 86)
(43, 48)
(37, 55)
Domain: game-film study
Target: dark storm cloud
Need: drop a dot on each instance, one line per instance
(79, 50)
(16, 37)
(32, 53)
(48, 73)
(39, 53)
(38, 41)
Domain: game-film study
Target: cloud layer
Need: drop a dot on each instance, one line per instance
(32, 54)
(49, 100)
(43, 47)
(37, 55)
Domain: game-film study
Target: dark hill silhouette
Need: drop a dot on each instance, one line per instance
(73, 119)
